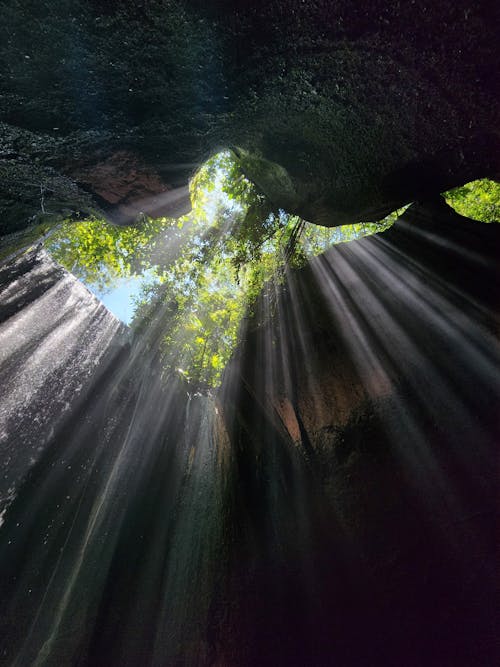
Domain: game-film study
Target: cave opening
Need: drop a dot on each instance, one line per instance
(199, 275)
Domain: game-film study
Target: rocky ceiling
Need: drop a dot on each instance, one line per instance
(339, 111)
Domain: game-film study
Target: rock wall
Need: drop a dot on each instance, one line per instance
(363, 415)
(341, 112)
(53, 335)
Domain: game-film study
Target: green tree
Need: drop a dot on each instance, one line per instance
(479, 200)
(99, 253)
(202, 272)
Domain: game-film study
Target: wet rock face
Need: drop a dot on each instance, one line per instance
(357, 109)
(100, 460)
(53, 335)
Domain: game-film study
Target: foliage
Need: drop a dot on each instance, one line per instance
(479, 200)
(198, 309)
(204, 270)
(315, 240)
(99, 253)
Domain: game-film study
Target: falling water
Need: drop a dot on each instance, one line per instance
(111, 482)
(53, 335)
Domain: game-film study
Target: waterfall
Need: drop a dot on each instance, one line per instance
(110, 493)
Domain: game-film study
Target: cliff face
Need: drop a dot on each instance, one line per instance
(339, 112)
(53, 335)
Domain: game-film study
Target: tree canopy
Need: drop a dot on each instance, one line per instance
(479, 200)
(202, 272)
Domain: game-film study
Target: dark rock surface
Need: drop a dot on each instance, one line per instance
(363, 417)
(341, 111)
